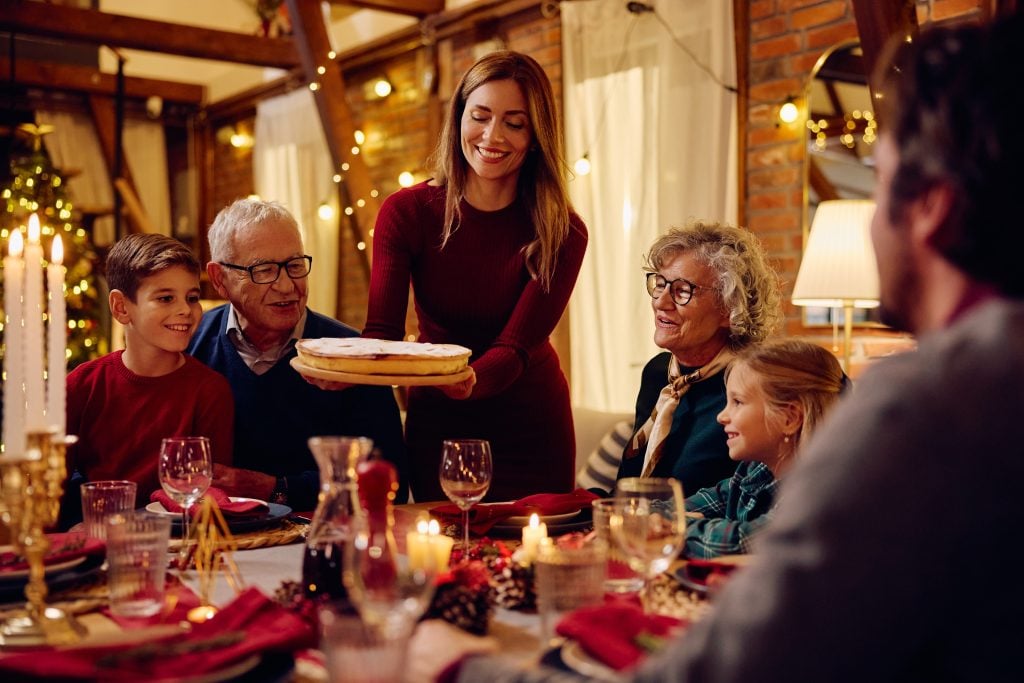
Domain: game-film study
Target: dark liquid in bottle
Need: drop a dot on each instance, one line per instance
(321, 574)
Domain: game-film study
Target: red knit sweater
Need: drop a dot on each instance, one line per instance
(120, 418)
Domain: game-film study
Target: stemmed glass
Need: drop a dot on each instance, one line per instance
(186, 470)
(648, 524)
(465, 475)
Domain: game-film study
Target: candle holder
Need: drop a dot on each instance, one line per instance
(30, 490)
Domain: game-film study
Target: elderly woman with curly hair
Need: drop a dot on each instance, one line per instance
(712, 293)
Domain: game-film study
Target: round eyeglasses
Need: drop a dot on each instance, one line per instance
(681, 290)
(266, 273)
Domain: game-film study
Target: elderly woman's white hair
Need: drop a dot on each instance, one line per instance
(747, 286)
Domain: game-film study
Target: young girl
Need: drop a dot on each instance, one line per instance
(776, 393)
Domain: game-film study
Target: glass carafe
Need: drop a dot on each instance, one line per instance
(337, 518)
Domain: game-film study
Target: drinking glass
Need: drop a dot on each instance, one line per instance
(648, 524)
(390, 592)
(465, 475)
(186, 470)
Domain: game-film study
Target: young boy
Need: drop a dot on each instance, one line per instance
(121, 405)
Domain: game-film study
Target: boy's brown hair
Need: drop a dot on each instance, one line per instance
(136, 257)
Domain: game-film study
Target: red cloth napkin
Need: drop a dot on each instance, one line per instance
(708, 572)
(230, 508)
(483, 517)
(63, 547)
(609, 632)
(251, 625)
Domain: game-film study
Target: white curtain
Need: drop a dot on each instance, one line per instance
(146, 153)
(292, 166)
(660, 134)
(74, 147)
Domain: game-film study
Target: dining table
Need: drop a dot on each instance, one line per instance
(274, 567)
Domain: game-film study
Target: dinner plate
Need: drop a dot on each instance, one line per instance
(576, 521)
(576, 658)
(227, 673)
(547, 519)
(19, 574)
(236, 524)
(12, 590)
(382, 380)
(157, 508)
(689, 584)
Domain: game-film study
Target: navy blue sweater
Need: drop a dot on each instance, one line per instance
(276, 412)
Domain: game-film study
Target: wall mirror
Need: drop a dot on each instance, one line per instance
(840, 135)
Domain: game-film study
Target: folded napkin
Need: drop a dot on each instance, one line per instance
(63, 547)
(708, 572)
(230, 508)
(618, 633)
(483, 517)
(251, 625)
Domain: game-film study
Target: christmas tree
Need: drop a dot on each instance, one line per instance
(35, 186)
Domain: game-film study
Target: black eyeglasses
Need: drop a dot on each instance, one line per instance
(266, 273)
(680, 290)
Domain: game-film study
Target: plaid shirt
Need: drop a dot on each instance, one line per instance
(733, 511)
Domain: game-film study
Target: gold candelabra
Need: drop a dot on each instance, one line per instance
(30, 490)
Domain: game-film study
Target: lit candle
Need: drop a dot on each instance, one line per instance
(440, 546)
(34, 419)
(417, 546)
(56, 338)
(532, 536)
(14, 369)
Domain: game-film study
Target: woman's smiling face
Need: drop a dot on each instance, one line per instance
(696, 332)
(496, 132)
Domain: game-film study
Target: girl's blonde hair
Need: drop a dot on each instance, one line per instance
(542, 176)
(792, 372)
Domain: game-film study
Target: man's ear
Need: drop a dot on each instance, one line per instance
(119, 306)
(215, 272)
(929, 215)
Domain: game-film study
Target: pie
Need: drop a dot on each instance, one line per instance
(356, 355)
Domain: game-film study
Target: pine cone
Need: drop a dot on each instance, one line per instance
(511, 583)
(463, 598)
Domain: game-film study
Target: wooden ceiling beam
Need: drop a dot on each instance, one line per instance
(115, 30)
(412, 8)
(339, 129)
(878, 21)
(52, 75)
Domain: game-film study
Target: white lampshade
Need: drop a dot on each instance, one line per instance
(838, 268)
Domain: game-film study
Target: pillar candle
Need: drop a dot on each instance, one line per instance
(417, 546)
(14, 369)
(532, 535)
(34, 409)
(440, 546)
(56, 335)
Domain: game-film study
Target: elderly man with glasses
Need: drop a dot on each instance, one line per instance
(258, 264)
(712, 293)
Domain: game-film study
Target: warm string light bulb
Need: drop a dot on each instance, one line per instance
(789, 112)
(582, 166)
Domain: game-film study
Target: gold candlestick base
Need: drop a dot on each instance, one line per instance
(30, 491)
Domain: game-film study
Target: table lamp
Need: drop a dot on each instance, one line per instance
(838, 267)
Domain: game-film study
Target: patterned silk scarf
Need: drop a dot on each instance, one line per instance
(653, 433)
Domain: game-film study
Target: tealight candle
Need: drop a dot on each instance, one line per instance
(532, 536)
(440, 546)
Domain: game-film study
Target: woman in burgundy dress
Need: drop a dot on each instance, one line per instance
(492, 248)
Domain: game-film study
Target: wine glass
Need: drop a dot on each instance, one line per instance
(185, 470)
(465, 475)
(648, 524)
